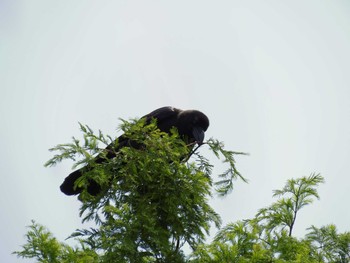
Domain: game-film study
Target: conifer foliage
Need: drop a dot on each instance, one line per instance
(154, 202)
(154, 198)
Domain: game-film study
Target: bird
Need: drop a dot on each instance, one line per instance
(191, 126)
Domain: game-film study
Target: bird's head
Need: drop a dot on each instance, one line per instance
(193, 124)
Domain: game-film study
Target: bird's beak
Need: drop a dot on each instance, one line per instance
(198, 134)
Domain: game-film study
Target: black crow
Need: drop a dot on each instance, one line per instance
(190, 124)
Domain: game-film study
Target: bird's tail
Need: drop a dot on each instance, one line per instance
(67, 186)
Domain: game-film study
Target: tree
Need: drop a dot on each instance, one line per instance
(154, 198)
(42, 246)
(296, 194)
(328, 245)
(268, 236)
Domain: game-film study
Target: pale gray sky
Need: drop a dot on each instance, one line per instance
(272, 76)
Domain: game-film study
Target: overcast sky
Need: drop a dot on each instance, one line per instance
(272, 76)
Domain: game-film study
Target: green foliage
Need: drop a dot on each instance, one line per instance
(296, 194)
(328, 245)
(154, 198)
(45, 248)
(268, 236)
(225, 185)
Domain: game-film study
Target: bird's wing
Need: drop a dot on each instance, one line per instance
(162, 114)
(167, 117)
